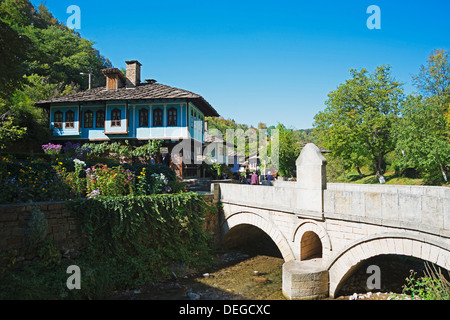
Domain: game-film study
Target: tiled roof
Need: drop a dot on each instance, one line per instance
(144, 91)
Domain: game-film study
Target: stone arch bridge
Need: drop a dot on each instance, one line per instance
(324, 230)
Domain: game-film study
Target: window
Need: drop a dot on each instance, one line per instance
(116, 118)
(58, 121)
(70, 119)
(100, 119)
(143, 118)
(172, 117)
(192, 118)
(88, 119)
(157, 117)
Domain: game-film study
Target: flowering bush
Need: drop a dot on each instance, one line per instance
(62, 180)
(152, 184)
(93, 194)
(76, 151)
(160, 183)
(51, 148)
(114, 181)
(20, 182)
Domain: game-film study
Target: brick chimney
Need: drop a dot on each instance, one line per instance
(114, 78)
(133, 73)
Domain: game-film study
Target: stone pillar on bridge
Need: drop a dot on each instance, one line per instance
(308, 279)
(311, 179)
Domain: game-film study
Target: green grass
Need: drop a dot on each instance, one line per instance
(391, 178)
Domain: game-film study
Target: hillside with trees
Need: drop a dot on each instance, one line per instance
(39, 57)
(290, 141)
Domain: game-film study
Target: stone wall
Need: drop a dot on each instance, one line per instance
(62, 228)
(15, 226)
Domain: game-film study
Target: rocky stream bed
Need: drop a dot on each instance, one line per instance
(240, 276)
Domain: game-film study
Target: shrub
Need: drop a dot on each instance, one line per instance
(137, 238)
(432, 286)
(52, 149)
(107, 181)
(24, 182)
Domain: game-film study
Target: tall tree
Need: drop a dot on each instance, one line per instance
(357, 124)
(17, 12)
(54, 51)
(62, 54)
(423, 135)
(433, 81)
(289, 148)
(40, 58)
(13, 51)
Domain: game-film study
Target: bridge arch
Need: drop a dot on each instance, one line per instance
(310, 229)
(254, 219)
(344, 263)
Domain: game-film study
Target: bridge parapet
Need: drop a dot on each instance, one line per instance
(288, 199)
(419, 208)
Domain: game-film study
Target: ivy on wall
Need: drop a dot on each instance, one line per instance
(141, 237)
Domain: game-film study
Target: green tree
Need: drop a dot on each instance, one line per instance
(40, 58)
(17, 12)
(357, 124)
(289, 149)
(422, 136)
(433, 81)
(26, 115)
(44, 18)
(62, 54)
(54, 50)
(9, 132)
(13, 51)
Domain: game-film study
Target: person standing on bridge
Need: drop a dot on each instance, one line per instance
(254, 178)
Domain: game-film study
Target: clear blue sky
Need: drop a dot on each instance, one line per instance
(262, 61)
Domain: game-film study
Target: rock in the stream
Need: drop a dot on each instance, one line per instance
(353, 297)
(261, 279)
(193, 296)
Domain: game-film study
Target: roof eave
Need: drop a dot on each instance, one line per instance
(205, 107)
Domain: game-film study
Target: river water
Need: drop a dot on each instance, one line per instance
(238, 276)
(244, 276)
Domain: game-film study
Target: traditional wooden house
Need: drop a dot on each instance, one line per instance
(127, 108)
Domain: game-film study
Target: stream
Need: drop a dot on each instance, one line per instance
(238, 276)
(243, 276)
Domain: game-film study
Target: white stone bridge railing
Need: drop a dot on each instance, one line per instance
(419, 208)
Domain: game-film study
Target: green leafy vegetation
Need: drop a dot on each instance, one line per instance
(432, 286)
(357, 123)
(41, 58)
(129, 242)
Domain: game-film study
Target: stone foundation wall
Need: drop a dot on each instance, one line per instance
(15, 227)
(212, 225)
(62, 228)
